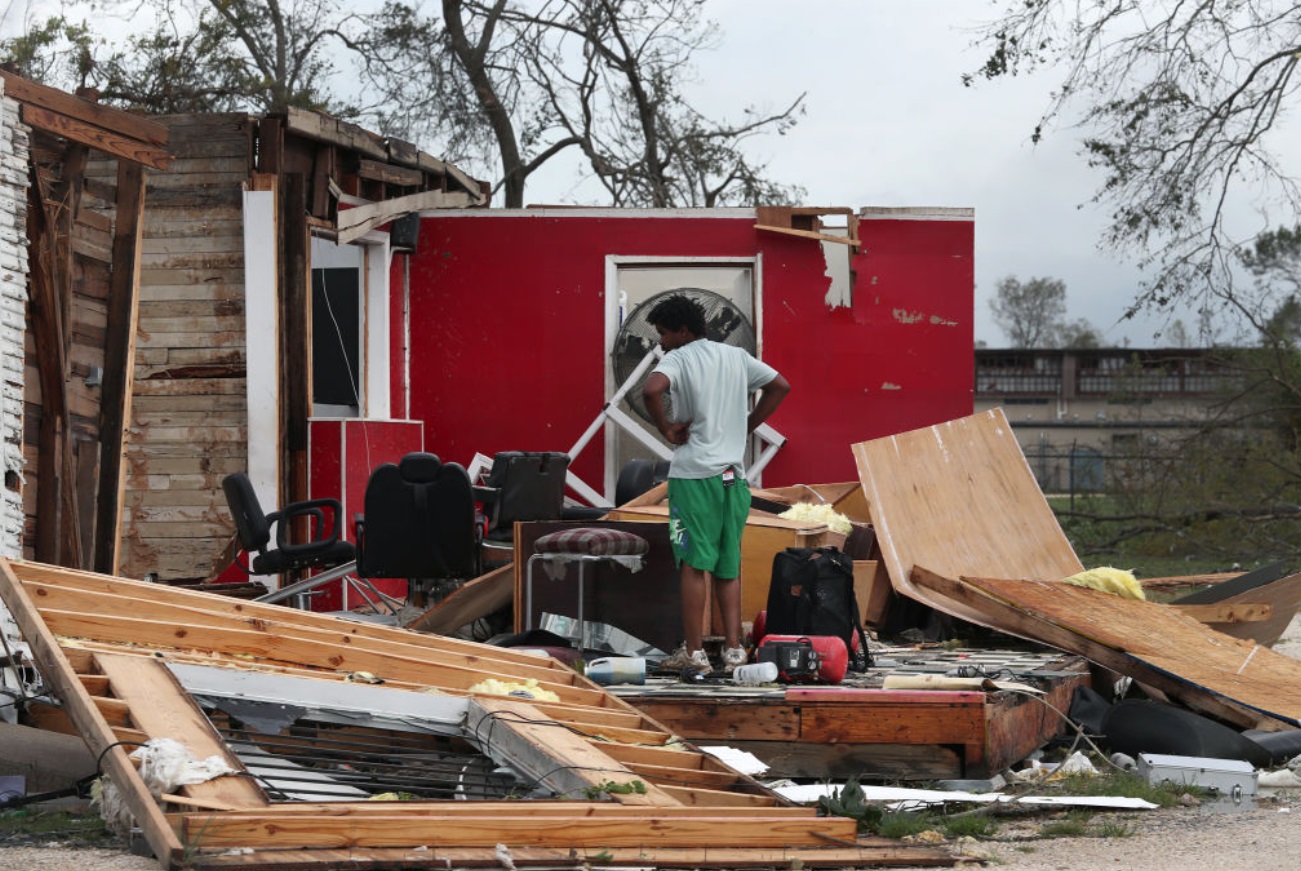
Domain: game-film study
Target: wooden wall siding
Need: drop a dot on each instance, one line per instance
(13, 321)
(189, 414)
(82, 232)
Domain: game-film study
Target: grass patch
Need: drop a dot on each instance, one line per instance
(1113, 828)
(977, 825)
(901, 824)
(1073, 825)
(1085, 824)
(23, 826)
(1125, 784)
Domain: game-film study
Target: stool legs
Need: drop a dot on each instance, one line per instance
(582, 580)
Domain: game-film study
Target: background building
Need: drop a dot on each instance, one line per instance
(1084, 416)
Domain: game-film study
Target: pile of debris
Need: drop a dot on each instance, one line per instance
(239, 734)
(312, 741)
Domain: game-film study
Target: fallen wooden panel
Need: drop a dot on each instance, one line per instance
(1281, 597)
(1227, 677)
(470, 601)
(960, 499)
(114, 650)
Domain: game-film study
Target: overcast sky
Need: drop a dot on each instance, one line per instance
(889, 123)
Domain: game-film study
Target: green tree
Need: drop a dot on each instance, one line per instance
(1179, 104)
(1076, 334)
(198, 55)
(1231, 489)
(502, 86)
(515, 85)
(1029, 313)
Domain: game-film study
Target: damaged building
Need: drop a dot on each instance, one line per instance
(315, 313)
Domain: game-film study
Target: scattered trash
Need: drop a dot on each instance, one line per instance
(755, 674)
(1076, 763)
(166, 764)
(742, 760)
(1284, 778)
(819, 513)
(902, 798)
(617, 669)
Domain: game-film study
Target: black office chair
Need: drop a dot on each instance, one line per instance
(637, 476)
(523, 486)
(419, 523)
(323, 549)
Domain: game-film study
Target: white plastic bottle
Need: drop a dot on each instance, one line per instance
(754, 674)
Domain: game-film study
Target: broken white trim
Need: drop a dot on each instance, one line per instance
(13, 317)
(916, 213)
(903, 798)
(262, 347)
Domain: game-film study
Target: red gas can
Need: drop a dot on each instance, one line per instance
(827, 664)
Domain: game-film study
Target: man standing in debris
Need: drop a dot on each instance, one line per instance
(710, 385)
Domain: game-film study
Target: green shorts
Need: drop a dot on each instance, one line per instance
(705, 523)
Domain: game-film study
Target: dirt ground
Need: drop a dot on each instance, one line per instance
(1264, 835)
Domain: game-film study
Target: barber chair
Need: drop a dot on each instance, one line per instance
(520, 486)
(332, 558)
(323, 549)
(419, 523)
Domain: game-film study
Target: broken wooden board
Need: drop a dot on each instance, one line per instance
(1226, 677)
(114, 651)
(1269, 586)
(838, 732)
(960, 499)
(1282, 597)
(472, 600)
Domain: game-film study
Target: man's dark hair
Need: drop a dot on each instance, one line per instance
(676, 312)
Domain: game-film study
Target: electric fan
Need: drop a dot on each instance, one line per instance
(724, 323)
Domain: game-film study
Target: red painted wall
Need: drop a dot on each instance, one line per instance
(341, 455)
(508, 323)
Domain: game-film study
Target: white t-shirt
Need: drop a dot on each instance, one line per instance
(710, 385)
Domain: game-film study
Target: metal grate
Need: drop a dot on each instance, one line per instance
(313, 761)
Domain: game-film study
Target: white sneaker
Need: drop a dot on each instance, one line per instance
(732, 657)
(681, 660)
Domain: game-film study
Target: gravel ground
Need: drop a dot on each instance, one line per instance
(1266, 838)
(1262, 836)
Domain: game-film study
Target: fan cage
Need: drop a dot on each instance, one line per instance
(724, 322)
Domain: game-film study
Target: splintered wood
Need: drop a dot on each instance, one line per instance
(1217, 674)
(620, 787)
(963, 527)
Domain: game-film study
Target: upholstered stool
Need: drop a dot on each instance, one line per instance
(582, 545)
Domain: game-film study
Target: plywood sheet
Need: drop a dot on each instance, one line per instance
(960, 499)
(1154, 643)
(1283, 598)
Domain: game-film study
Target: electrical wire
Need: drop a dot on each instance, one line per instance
(16, 663)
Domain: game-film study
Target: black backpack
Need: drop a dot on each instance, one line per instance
(812, 593)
